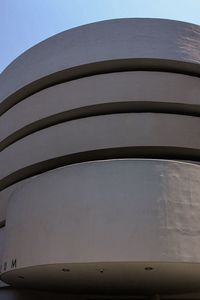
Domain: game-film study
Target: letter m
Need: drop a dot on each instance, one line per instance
(13, 263)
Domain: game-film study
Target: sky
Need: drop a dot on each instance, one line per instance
(24, 23)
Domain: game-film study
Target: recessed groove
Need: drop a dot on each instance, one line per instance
(103, 67)
(101, 109)
(160, 152)
(2, 223)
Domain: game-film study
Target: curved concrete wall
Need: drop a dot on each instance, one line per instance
(116, 210)
(95, 95)
(110, 93)
(102, 47)
(89, 135)
(119, 211)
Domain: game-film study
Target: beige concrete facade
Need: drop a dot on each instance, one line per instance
(99, 164)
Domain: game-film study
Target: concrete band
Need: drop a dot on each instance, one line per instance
(105, 211)
(99, 278)
(102, 132)
(108, 46)
(101, 94)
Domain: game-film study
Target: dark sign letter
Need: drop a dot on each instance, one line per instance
(13, 263)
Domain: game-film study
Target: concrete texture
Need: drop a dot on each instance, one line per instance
(115, 211)
(110, 93)
(102, 47)
(153, 202)
(100, 133)
(84, 212)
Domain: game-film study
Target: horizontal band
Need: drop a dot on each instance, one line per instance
(98, 110)
(155, 65)
(109, 211)
(173, 153)
(109, 46)
(129, 130)
(101, 94)
(175, 280)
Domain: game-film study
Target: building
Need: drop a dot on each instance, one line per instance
(99, 164)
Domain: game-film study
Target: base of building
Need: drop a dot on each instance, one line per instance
(8, 293)
(113, 278)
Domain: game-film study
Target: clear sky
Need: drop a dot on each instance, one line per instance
(24, 23)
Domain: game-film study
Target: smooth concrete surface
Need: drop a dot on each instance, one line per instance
(114, 279)
(102, 47)
(84, 212)
(2, 236)
(118, 211)
(101, 133)
(100, 94)
(3, 204)
(5, 196)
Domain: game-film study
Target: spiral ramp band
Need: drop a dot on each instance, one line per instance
(99, 162)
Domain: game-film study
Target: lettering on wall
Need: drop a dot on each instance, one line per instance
(5, 265)
(13, 263)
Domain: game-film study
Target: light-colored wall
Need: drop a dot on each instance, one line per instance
(113, 89)
(100, 133)
(117, 210)
(150, 43)
(136, 91)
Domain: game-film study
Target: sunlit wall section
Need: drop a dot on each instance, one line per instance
(99, 164)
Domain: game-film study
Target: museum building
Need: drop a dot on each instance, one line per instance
(99, 164)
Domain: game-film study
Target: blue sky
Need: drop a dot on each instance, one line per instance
(24, 23)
